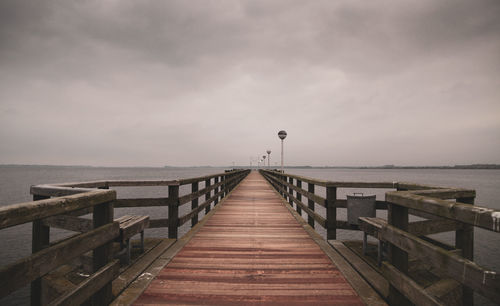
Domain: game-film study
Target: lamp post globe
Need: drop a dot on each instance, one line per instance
(282, 135)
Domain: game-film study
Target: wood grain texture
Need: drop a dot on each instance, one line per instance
(251, 251)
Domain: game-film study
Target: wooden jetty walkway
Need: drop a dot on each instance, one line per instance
(252, 250)
(251, 244)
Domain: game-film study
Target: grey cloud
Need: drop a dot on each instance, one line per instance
(153, 82)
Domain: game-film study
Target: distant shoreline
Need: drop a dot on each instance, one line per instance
(385, 167)
(388, 167)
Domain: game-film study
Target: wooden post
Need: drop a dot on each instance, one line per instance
(231, 182)
(398, 216)
(464, 240)
(331, 213)
(226, 184)
(283, 179)
(207, 196)
(173, 211)
(299, 197)
(194, 203)
(279, 177)
(216, 190)
(310, 204)
(223, 186)
(40, 239)
(102, 215)
(290, 191)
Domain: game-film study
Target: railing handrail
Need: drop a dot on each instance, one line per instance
(79, 187)
(358, 184)
(20, 213)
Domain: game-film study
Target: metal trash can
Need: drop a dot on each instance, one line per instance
(359, 205)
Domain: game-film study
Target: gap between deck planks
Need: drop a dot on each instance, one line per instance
(251, 250)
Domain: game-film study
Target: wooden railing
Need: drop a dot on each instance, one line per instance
(443, 210)
(47, 257)
(62, 205)
(290, 187)
(215, 187)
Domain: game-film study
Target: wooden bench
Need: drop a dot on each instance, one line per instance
(372, 226)
(129, 227)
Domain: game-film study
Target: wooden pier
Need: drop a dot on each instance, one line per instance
(252, 250)
(251, 247)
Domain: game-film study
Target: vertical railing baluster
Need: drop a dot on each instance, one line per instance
(207, 196)
(40, 239)
(280, 185)
(331, 213)
(173, 211)
(397, 216)
(290, 191)
(102, 215)
(284, 187)
(216, 190)
(231, 182)
(224, 186)
(310, 204)
(464, 240)
(194, 203)
(299, 197)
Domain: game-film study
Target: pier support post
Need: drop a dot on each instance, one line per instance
(194, 203)
(173, 211)
(299, 197)
(331, 213)
(464, 240)
(290, 191)
(102, 215)
(310, 204)
(207, 196)
(40, 240)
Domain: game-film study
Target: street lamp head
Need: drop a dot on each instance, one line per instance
(282, 134)
(268, 151)
(263, 157)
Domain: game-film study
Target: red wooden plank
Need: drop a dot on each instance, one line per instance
(251, 251)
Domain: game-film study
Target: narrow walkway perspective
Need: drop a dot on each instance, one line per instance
(251, 251)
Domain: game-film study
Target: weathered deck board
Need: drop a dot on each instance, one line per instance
(251, 251)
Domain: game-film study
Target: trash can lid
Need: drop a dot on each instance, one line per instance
(360, 195)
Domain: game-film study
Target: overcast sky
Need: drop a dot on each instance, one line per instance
(153, 83)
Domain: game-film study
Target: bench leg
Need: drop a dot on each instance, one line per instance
(380, 255)
(127, 259)
(364, 243)
(142, 242)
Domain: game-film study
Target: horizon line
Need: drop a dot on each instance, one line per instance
(457, 166)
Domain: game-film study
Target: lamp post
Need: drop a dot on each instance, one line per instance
(268, 159)
(282, 135)
(263, 161)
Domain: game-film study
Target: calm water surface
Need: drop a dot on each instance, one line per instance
(16, 181)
